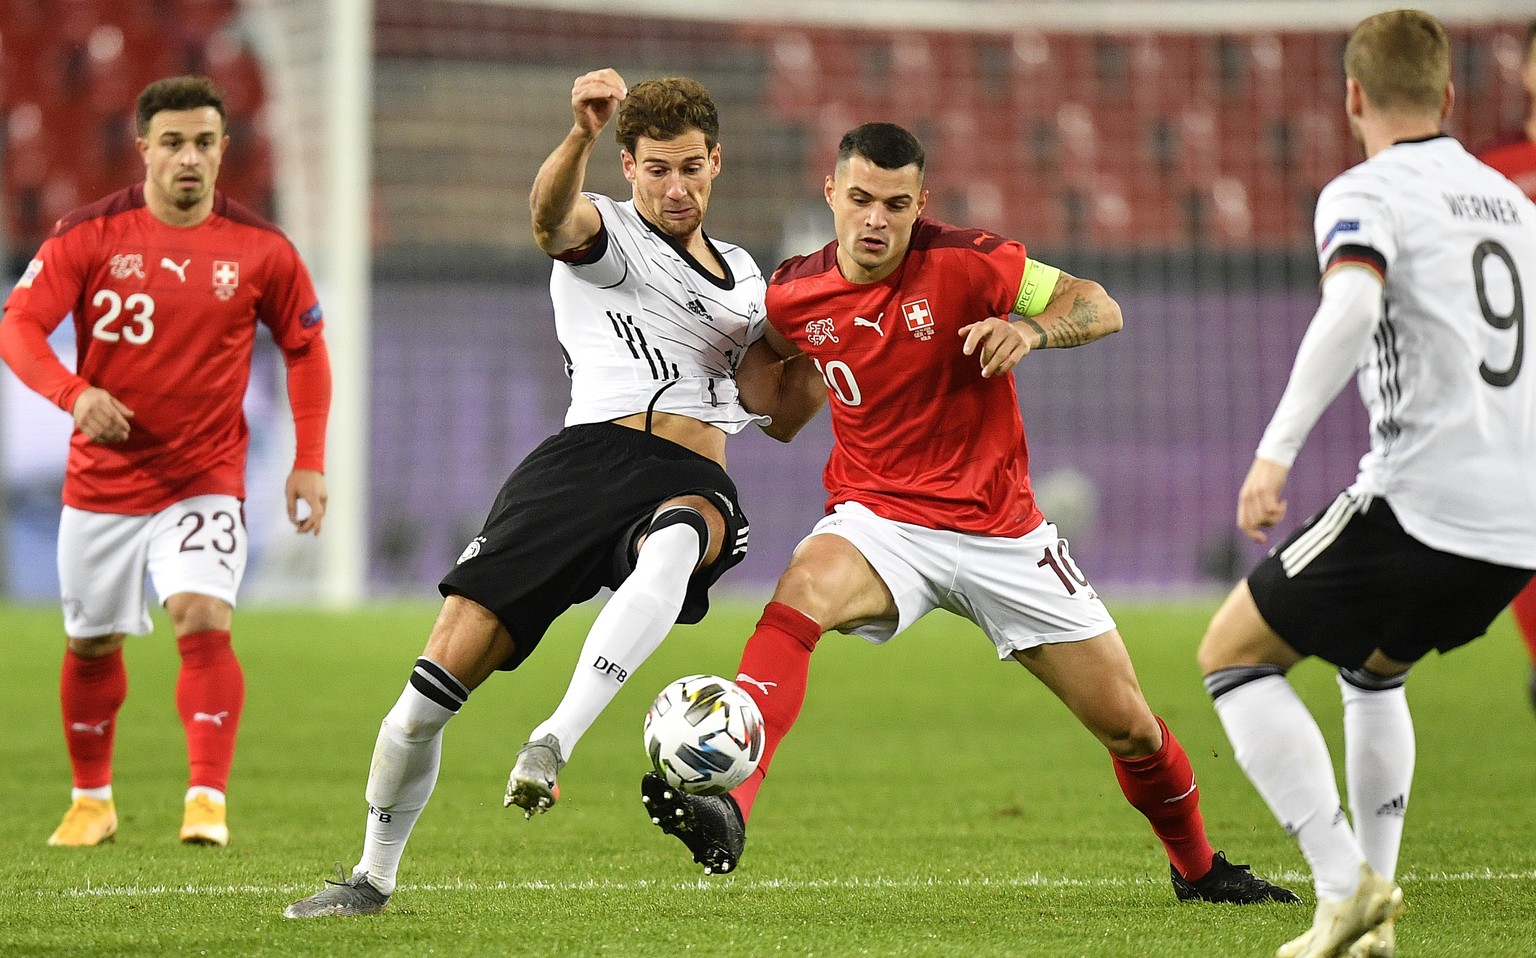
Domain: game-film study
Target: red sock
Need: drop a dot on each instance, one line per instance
(775, 666)
(91, 692)
(210, 693)
(1162, 787)
(1524, 608)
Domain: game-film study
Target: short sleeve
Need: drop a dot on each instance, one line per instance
(612, 253)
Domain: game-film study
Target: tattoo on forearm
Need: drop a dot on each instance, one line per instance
(1073, 329)
(1041, 343)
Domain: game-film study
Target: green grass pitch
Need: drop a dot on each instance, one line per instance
(932, 801)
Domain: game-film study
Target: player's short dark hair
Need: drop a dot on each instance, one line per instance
(178, 93)
(886, 145)
(1401, 59)
(665, 109)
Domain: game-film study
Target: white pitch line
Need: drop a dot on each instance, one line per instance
(721, 884)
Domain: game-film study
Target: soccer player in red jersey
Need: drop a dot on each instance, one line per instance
(1514, 155)
(166, 281)
(915, 327)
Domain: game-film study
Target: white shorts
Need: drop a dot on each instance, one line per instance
(1022, 592)
(197, 545)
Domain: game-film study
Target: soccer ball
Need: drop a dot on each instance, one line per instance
(704, 734)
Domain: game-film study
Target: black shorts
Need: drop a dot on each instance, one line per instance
(1351, 581)
(565, 523)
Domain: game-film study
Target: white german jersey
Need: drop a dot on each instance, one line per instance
(1447, 375)
(644, 326)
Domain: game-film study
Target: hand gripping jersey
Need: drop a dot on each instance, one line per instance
(645, 326)
(165, 320)
(1447, 375)
(921, 437)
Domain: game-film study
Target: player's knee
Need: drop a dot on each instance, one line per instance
(1132, 736)
(684, 517)
(97, 647)
(193, 612)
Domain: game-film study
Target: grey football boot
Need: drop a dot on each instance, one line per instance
(345, 896)
(531, 786)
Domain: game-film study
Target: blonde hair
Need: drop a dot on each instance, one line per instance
(1401, 59)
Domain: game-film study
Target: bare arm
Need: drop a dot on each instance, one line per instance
(1079, 311)
(563, 219)
(779, 381)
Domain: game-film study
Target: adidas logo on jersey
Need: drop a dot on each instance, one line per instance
(697, 308)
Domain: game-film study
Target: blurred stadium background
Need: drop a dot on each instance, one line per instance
(1171, 150)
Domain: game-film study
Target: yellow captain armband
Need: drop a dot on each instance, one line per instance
(1036, 288)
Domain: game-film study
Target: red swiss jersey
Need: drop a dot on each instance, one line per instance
(165, 321)
(1514, 155)
(921, 437)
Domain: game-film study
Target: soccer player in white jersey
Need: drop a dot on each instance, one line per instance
(1425, 255)
(659, 324)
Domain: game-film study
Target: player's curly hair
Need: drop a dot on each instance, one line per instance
(1401, 59)
(177, 93)
(665, 109)
(886, 145)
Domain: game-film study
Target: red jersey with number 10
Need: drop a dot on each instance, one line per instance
(921, 437)
(165, 321)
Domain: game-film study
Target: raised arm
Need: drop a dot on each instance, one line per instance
(563, 219)
(778, 381)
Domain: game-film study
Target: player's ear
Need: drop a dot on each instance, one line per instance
(827, 189)
(714, 162)
(627, 161)
(1354, 97)
(922, 201)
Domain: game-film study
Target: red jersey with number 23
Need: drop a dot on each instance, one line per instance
(920, 436)
(165, 321)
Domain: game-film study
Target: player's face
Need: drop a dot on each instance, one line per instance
(672, 180)
(182, 152)
(873, 210)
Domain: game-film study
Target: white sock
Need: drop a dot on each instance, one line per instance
(404, 768)
(1378, 769)
(102, 794)
(630, 627)
(213, 794)
(1278, 744)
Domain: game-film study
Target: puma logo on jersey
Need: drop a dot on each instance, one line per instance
(871, 323)
(100, 728)
(213, 718)
(819, 331)
(180, 269)
(744, 677)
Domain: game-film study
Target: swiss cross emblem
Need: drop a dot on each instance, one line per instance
(919, 318)
(226, 276)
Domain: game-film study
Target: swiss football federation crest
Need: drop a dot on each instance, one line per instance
(819, 331)
(226, 277)
(919, 318)
(125, 265)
